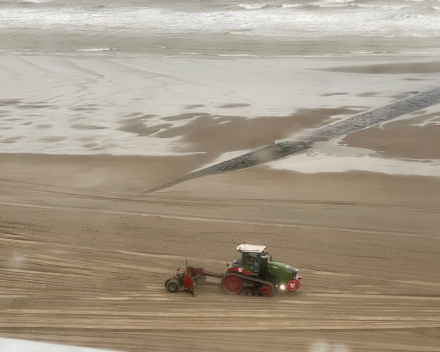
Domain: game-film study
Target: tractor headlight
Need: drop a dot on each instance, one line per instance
(282, 287)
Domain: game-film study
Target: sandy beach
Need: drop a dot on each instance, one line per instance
(84, 252)
(138, 136)
(84, 264)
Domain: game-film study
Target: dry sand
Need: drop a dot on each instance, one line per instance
(85, 265)
(83, 255)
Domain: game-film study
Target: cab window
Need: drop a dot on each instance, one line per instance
(252, 261)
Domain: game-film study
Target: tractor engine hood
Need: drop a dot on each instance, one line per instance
(284, 273)
(291, 269)
(278, 265)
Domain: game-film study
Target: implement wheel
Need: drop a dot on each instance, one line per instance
(231, 284)
(173, 286)
(266, 290)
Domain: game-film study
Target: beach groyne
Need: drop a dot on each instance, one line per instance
(352, 124)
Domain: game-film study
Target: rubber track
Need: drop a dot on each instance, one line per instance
(146, 304)
(252, 279)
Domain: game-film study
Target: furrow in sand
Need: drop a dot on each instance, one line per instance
(212, 219)
(174, 339)
(179, 339)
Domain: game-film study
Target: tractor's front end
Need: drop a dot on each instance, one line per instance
(284, 276)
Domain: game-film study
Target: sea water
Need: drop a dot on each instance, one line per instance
(277, 27)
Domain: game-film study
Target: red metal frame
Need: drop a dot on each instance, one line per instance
(293, 285)
(239, 270)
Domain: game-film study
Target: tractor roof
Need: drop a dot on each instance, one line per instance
(252, 248)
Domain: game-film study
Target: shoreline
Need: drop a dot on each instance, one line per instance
(58, 42)
(100, 53)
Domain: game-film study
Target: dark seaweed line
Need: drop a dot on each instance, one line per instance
(338, 129)
(260, 156)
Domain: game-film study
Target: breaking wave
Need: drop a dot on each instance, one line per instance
(252, 6)
(303, 18)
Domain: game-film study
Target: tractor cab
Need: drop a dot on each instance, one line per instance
(253, 259)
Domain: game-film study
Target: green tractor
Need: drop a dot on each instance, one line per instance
(257, 274)
(254, 274)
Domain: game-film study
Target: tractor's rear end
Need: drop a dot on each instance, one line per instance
(188, 279)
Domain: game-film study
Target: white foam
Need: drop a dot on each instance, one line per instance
(252, 6)
(338, 0)
(191, 54)
(36, 1)
(363, 19)
(95, 49)
(236, 55)
(337, 5)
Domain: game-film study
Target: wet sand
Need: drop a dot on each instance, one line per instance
(88, 105)
(396, 139)
(394, 68)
